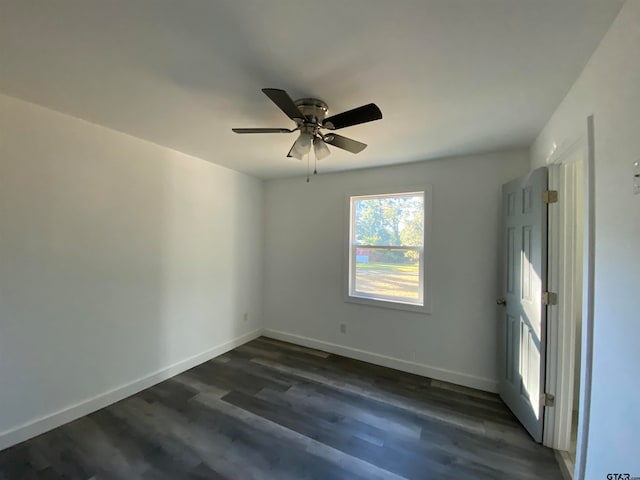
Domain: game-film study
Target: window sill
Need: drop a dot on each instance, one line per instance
(388, 304)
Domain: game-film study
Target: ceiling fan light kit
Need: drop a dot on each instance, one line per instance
(320, 148)
(309, 114)
(301, 146)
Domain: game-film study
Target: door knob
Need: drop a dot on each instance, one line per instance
(501, 301)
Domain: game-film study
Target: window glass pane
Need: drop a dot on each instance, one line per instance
(394, 220)
(388, 274)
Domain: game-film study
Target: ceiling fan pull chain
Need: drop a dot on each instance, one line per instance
(307, 167)
(315, 164)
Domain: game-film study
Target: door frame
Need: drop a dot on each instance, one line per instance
(560, 331)
(561, 326)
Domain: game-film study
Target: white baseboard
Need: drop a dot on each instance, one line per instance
(41, 425)
(567, 466)
(480, 383)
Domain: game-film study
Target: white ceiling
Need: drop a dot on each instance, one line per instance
(450, 76)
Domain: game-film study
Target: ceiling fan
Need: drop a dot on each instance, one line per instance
(309, 115)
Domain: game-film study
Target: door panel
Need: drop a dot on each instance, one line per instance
(523, 324)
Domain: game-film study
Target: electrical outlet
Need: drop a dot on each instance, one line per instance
(343, 328)
(246, 316)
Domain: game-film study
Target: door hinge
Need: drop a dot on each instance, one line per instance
(550, 196)
(548, 400)
(549, 298)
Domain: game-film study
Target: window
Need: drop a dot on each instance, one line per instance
(387, 250)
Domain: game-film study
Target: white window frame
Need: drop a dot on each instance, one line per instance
(425, 251)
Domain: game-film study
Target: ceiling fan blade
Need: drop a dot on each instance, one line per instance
(262, 130)
(284, 103)
(345, 143)
(363, 114)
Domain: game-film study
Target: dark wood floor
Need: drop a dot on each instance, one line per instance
(274, 410)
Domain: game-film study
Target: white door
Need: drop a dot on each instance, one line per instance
(523, 315)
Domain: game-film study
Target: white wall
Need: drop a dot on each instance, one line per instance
(609, 87)
(305, 244)
(119, 259)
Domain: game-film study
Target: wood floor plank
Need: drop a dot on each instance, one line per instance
(367, 378)
(291, 438)
(274, 410)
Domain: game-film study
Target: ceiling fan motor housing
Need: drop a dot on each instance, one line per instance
(314, 111)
